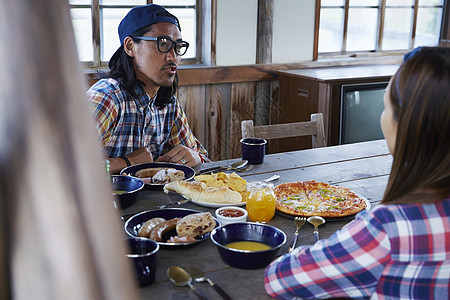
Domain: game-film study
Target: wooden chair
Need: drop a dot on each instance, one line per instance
(314, 128)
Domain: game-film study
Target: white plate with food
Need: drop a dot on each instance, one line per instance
(217, 205)
(214, 190)
(204, 195)
(156, 175)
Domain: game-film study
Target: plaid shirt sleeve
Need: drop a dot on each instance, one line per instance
(181, 134)
(105, 112)
(348, 264)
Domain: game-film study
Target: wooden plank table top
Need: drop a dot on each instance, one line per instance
(363, 167)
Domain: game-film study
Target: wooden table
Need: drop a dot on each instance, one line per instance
(363, 167)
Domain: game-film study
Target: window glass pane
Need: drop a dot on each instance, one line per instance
(399, 2)
(188, 28)
(122, 2)
(363, 3)
(110, 36)
(81, 20)
(362, 29)
(330, 29)
(428, 26)
(174, 2)
(431, 2)
(80, 2)
(397, 28)
(332, 3)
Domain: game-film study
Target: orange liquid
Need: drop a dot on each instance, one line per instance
(261, 205)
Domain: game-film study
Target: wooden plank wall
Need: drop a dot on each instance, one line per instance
(215, 112)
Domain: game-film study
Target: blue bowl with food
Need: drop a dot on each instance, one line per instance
(136, 226)
(248, 245)
(126, 189)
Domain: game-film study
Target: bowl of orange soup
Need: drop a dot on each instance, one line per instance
(248, 245)
(125, 190)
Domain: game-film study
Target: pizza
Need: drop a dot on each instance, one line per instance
(313, 198)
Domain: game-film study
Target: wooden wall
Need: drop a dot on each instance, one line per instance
(215, 112)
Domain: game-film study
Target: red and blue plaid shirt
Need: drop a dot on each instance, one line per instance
(392, 252)
(126, 123)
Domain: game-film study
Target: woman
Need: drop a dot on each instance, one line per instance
(401, 249)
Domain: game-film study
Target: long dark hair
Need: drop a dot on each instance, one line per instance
(121, 68)
(420, 96)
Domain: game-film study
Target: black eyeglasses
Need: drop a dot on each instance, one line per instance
(165, 44)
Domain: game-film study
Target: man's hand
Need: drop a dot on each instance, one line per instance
(139, 156)
(181, 154)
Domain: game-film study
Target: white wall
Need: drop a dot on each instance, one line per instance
(293, 31)
(236, 32)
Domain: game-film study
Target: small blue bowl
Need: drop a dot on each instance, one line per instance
(128, 187)
(257, 232)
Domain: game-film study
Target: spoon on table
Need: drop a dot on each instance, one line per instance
(316, 221)
(180, 277)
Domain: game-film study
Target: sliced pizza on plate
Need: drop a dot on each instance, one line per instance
(313, 198)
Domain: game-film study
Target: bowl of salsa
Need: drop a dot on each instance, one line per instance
(231, 214)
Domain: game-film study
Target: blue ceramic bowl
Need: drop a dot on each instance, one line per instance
(245, 259)
(142, 252)
(134, 223)
(128, 187)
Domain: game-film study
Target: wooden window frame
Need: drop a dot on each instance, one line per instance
(96, 34)
(443, 36)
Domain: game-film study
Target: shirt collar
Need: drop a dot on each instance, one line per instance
(142, 97)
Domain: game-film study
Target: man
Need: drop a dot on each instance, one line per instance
(139, 120)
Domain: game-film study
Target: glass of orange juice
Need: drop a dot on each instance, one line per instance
(260, 202)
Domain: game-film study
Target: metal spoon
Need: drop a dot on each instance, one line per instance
(180, 277)
(316, 221)
(235, 166)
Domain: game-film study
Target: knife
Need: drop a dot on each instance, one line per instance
(174, 204)
(234, 166)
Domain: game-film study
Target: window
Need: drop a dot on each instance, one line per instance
(95, 26)
(378, 25)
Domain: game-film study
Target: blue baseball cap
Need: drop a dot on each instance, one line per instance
(142, 16)
(412, 53)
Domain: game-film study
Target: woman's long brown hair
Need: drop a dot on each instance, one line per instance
(420, 95)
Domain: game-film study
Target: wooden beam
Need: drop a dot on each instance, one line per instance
(316, 31)
(96, 32)
(263, 56)
(345, 31)
(414, 25)
(264, 35)
(213, 31)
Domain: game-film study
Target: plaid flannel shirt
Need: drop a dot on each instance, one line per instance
(126, 123)
(392, 252)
